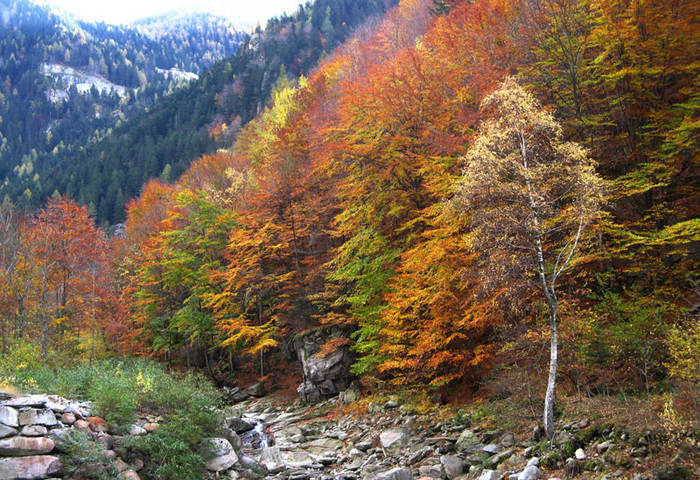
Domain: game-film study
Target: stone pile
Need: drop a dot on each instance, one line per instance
(33, 430)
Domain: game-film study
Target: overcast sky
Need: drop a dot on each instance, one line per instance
(241, 12)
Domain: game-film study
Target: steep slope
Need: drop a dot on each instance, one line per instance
(64, 82)
(205, 114)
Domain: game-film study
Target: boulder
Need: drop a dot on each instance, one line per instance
(38, 466)
(256, 390)
(324, 376)
(393, 439)
(218, 454)
(395, 474)
(22, 446)
(468, 442)
(34, 416)
(9, 416)
(240, 425)
(453, 466)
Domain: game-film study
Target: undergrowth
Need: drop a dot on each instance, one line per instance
(118, 389)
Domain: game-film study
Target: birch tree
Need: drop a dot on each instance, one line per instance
(530, 196)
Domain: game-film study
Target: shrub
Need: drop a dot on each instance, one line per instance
(84, 458)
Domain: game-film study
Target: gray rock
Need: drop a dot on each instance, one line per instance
(6, 431)
(33, 416)
(393, 439)
(531, 472)
(468, 442)
(363, 446)
(534, 462)
(23, 446)
(508, 440)
(489, 475)
(26, 401)
(218, 454)
(495, 460)
(453, 466)
(9, 416)
(395, 474)
(256, 390)
(431, 471)
(492, 449)
(240, 425)
(309, 392)
(327, 375)
(34, 431)
(604, 446)
(28, 468)
(419, 455)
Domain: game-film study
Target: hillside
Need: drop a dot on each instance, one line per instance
(204, 115)
(66, 82)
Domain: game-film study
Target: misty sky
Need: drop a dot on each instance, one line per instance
(241, 12)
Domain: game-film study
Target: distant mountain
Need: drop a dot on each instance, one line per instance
(203, 115)
(65, 83)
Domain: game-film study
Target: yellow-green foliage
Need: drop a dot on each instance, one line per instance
(684, 350)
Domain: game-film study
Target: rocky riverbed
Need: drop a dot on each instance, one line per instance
(288, 440)
(390, 442)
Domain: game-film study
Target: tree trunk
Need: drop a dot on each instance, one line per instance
(552, 379)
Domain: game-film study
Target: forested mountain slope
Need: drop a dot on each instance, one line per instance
(205, 114)
(64, 83)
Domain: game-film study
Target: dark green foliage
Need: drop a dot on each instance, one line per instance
(177, 130)
(36, 132)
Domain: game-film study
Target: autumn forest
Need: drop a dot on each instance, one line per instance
(461, 192)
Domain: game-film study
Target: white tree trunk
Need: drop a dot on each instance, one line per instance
(552, 379)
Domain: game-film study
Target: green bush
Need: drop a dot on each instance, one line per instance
(84, 458)
(168, 457)
(115, 398)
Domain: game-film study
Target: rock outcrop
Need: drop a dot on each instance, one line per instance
(324, 375)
